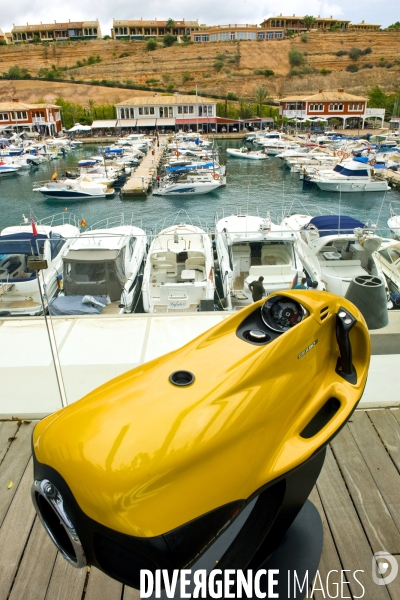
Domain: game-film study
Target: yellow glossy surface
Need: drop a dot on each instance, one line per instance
(142, 456)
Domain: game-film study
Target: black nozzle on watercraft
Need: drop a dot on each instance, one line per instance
(368, 293)
(344, 322)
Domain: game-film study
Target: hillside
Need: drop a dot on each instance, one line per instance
(216, 67)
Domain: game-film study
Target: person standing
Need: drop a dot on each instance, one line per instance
(257, 289)
(302, 285)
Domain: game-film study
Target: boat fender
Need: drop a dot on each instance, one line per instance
(345, 155)
(395, 298)
(372, 162)
(215, 176)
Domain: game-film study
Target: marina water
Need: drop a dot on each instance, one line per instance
(253, 186)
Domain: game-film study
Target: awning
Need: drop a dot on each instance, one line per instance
(144, 122)
(2, 127)
(126, 123)
(165, 122)
(79, 127)
(104, 124)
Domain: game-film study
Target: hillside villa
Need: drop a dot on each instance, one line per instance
(44, 119)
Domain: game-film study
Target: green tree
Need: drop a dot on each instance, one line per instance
(260, 95)
(394, 27)
(309, 21)
(151, 45)
(170, 24)
(296, 58)
(169, 40)
(245, 109)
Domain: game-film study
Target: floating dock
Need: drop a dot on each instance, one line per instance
(140, 182)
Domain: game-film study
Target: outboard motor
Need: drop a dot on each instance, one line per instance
(147, 471)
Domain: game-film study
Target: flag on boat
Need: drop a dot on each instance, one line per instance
(54, 176)
(295, 281)
(83, 222)
(34, 230)
(66, 209)
(210, 275)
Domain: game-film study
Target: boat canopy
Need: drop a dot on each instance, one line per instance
(95, 272)
(334, 224)
(190, 167)
(27, 243)
(361, 159)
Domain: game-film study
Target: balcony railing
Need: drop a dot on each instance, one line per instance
(374, 112)
(300, 114)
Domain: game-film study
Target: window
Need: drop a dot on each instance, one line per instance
(270, 35)
(251, 35)
(4, 117)
(214, 37)
(170, 111)
(311, 107)
(191, 110)
(224, 36)
(205, 38)
(131, 113)
(209, 111)
(186, 110)
(20, 115)
(232, 35)
(260, 35)
(197, 38)
(241, 35)
(180, 110)
(279, 34)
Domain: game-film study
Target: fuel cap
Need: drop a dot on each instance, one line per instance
(257, 335)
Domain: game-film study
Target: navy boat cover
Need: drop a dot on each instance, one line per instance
(334, 224)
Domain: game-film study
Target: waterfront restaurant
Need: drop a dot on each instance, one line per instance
(44, 119)
(350, 110)
(59, 32)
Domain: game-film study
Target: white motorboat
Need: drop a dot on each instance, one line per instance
(335, 249)
(179, 270)
(104, 263)
(82, 188)
(394, 222)
(388, 257)
(249, 247)
(49, 238)
(8, 169)
(190, 184)
(246, 153)
(349, 175)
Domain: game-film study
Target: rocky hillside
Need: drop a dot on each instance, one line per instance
(216, 68)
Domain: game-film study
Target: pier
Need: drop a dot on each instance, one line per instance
(140, 182)
(357, 496)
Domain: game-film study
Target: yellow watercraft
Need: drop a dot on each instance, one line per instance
(146, 471)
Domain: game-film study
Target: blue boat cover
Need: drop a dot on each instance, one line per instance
(361, 159)
(189, 167)
(73, 305)
(22, 243)
(334, 224)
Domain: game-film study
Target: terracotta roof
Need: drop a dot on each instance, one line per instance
(6, 106)
(160, 99)
(333, 95)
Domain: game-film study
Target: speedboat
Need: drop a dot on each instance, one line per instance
(151, 468)
(335, 249)
(249, 247)
(49, 238)
(350, 175)
(388, 257)
(8, 169)
(82, 188)
(394, 222)
(190, 184)
(246, 153)
(103, 263)
(178, 274)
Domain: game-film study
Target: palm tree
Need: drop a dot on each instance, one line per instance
(309, 21)
(260, 95)
(170, 24)
(92, 104)
(245, 109)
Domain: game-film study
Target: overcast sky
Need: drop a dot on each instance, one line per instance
(210, 12)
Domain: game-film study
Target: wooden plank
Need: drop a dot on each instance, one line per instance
(330, 559)
(7, 430)
(66, 582)
(14, 532)
(102, 587)
(381, 467)
(371, 508)
(131, 593)
(350, 541)
(36, 567)
(13, 466)
(396, 413)
(388, 429)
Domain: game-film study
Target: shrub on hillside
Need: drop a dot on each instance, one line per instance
(368, 66)
(151, 45)
(355, 53)
(296, 58)
(218, 65)
(367, 50)
(325, 71)
(169, 40)
(341, 52)
(352, 68)
(304, 37)
(265, 72)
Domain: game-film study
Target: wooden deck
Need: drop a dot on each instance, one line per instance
(357, 495)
